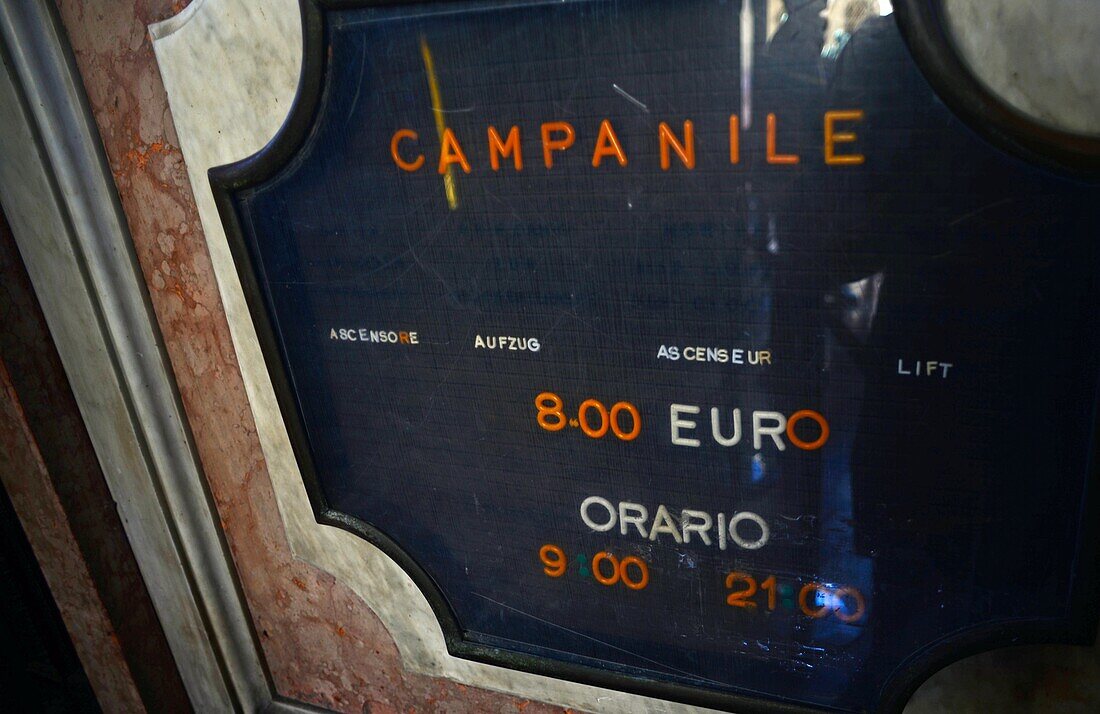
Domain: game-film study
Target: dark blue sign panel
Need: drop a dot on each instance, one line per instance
(695, 348)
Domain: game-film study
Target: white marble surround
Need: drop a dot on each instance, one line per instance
(1041, 57)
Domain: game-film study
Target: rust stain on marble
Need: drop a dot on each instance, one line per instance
(140, 156)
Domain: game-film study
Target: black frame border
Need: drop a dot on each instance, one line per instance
(928, 41)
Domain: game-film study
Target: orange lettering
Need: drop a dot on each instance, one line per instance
(821, 424)
(774, 158)
(598, 574)
(550, 405)
(554, 567)
(607, 144)
(685, 151)
(809, 607)
(857, 596)
(401, 163)
(451, 153)
(643, 574)
(549, 145)
(833, 137)
(735, 139)
(499, 149)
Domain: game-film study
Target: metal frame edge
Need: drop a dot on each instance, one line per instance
(58, 193)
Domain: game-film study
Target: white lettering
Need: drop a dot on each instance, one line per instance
(603, 503)
(663, 523)
(678, 423)
(716, 429)
(633, 514)
(745, 529)
(748, 544)
(759, 430)
(695, 522)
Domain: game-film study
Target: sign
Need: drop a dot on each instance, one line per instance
(697, 349)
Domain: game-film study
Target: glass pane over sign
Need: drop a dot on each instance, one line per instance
(691, 348)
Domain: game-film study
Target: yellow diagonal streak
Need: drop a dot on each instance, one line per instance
(450, 185)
